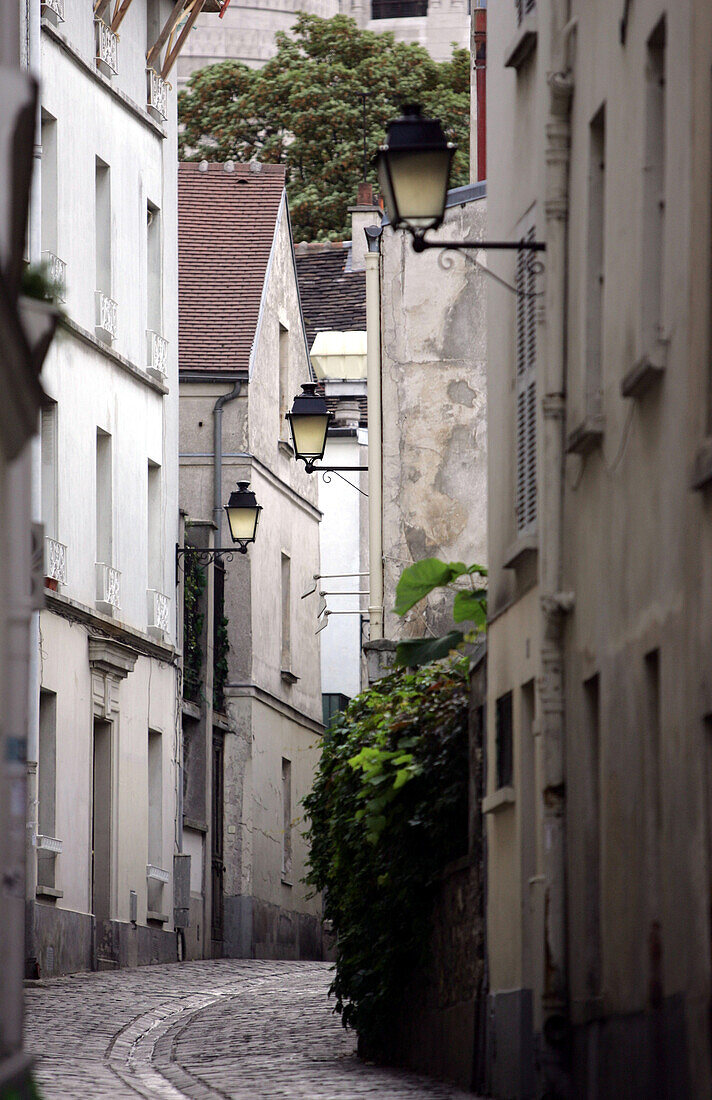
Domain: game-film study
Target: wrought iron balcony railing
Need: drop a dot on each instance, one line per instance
(157, 94)
(107, 48)
(57, 271)
(108, 588)
(524, 7)
(106, 316)
(55, 560)
(158, 612)
(157, 354)
(157, 873)
(48, 844)
(53, 9)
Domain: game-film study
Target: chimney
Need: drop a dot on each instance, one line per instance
(478, 99)
(365, 212)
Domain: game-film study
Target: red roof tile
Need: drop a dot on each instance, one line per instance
(226, 225)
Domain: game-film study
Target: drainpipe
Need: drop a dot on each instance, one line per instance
(32, 16)
(217, 458)
(375, 431)
(555, 603)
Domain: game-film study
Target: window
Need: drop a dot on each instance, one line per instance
(287, 819)
(525, 496)
(504, 747)
(286, 613)
(47, 786)
(48, 464)
(398, 9)
(104, 499)
(283, 381)
(595, 264)
(653, 190)
(155, 816)
(102, 213)
(154, 525)
(154, 270)
(652, 691)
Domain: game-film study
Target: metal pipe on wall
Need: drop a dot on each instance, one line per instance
(217, 458)
(375, 430)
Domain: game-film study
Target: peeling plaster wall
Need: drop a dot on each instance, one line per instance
(434, 409)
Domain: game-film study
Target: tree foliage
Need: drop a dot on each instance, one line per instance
(304, 109)
(387, 812)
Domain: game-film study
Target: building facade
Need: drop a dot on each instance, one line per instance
(246, 31)
(260, 733)
(599, 781)
(104, 800)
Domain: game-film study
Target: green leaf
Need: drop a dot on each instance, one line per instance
(469, 606)
(418, 580)
(421, 651)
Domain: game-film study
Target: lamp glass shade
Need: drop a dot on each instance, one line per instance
(243, 513)
(309, 434)
(309, 422)
(414, 171)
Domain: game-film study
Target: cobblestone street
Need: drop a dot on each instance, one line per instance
(229, 1028)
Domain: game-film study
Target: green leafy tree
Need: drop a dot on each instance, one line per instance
(304, 109)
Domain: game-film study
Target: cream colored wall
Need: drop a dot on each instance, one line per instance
(277, 736)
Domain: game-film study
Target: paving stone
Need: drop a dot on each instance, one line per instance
(239, 1029)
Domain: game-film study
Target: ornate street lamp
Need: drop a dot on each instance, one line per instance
(414, 171)
(243, 513)
(309, 422)
(414, 175)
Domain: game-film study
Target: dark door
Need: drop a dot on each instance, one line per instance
(218, 865)
(101, 843)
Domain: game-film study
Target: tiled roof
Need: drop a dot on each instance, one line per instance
(226, 225)
(333, 298)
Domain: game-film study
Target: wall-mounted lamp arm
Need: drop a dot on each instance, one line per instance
(209, 555)
(420, 245)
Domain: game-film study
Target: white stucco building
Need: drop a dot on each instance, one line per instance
(246, 30)
(104, 783)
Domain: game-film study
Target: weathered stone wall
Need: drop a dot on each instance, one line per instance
(434, 409)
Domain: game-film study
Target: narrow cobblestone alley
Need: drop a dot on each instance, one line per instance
(228, 1028)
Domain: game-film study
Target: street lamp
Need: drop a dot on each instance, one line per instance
(309, 422)
(414, 175)
(243, 513)
(414, 171)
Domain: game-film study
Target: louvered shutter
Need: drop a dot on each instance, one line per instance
(525, 495)
(48, 468)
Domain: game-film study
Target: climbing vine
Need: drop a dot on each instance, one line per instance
(193, 619)
(388, 810)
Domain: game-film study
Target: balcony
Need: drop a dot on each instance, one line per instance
(157, 95)
(57, 273)
(158, 612)
(157, 874)
(106, 317)
(55, 569)
(53, 10)
(157, 349)
(106, 48)
(48, 844)
(108, 588)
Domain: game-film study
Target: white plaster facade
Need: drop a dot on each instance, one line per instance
(270, 741)
(107, 773)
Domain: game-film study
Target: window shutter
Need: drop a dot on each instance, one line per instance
(525, 493)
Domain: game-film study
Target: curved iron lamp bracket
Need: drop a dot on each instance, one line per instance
(203, 556)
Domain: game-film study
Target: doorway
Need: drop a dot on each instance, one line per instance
(101, 845)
